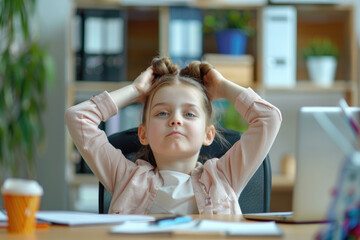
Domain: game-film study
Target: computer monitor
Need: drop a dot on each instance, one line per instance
(324, 140)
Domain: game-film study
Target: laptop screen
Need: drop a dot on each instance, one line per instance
(319, 159)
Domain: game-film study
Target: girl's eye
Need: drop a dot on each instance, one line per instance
(190, 115)
(161, 114)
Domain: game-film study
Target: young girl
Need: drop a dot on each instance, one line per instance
(167, 177)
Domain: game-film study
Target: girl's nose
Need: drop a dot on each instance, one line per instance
(175, 121)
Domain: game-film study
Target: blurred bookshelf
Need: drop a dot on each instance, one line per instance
(114, 41)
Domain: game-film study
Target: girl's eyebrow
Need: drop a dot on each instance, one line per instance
(159, 104)
(191, 105)
(188, 105)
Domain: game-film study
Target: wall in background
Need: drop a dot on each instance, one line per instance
(53, 21)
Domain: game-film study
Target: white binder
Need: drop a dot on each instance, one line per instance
(279, 46)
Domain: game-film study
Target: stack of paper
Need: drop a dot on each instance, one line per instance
(197, 227)
(81, 218)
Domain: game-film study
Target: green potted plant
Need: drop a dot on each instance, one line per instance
(25, 71)
(321, 56)
(231, 28)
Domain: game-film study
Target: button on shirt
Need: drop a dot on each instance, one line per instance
(176, 195)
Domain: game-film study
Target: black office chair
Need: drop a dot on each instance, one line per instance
(254, 198)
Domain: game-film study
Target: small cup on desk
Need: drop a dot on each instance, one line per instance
(22, 201)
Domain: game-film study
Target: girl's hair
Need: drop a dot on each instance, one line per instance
(167, 73)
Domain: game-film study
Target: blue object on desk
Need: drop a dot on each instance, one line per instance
(169, 221)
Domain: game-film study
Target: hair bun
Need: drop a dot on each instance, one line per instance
(196, 70)
(164, 66)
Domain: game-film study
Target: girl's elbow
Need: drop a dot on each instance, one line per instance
(70, 115)
(277, 114)
(275, 119)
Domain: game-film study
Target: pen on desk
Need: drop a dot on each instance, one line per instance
(169, 221)
(345, 109)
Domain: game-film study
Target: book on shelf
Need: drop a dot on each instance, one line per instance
(99, 43)
(77, 42)
(185, 35)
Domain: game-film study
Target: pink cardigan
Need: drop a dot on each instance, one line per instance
(217, 184)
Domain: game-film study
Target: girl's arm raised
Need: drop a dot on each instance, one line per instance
(134, 92)
(83, 120)
(246, 155)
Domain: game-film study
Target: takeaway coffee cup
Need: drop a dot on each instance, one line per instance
(22, 201)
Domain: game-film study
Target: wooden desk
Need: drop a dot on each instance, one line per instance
(291, 232)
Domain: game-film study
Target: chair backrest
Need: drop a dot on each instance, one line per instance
(255, 197)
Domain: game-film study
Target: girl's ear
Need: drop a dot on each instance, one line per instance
(142, 135)
(209, 135)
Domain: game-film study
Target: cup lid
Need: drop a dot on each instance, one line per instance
(21, 187)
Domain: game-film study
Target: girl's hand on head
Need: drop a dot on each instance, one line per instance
(213, 81)
(143, 82)
(219, 87)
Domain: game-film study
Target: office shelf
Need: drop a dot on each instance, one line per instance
(308, 86)
(147, 37)
(86, 86)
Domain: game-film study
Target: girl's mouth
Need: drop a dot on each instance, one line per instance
(174, 133)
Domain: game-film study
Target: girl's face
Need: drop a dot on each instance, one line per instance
(176, 123)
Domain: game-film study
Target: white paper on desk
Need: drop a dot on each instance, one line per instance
(147, 228)
(198, 227)
(72, 218)
(241, 228)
